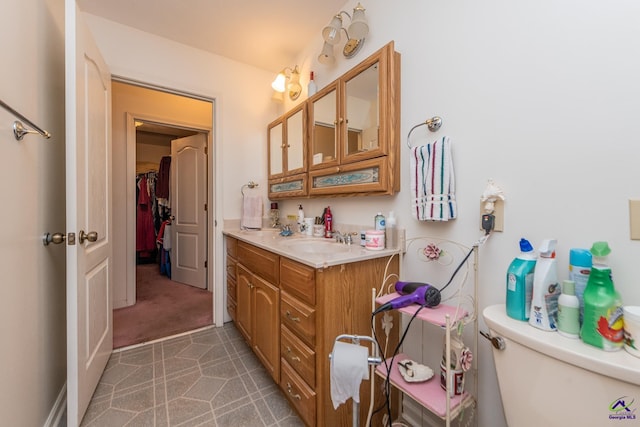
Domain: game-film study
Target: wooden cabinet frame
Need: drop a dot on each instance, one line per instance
(333, 159)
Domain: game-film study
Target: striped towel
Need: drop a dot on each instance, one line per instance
(432, 182)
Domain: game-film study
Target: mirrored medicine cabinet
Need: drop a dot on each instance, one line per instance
(344, 140)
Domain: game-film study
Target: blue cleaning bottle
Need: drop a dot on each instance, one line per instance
(520, 282)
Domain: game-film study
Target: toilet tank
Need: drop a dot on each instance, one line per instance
(548, 380)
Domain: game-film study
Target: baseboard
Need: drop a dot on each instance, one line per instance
(57, 414)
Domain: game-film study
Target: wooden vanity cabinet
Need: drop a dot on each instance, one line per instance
(258, 304)
(317, 305)
(291, 313)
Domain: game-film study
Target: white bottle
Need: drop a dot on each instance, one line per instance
(391, 231)
(569, 311)
(312, 88)
(546, 290)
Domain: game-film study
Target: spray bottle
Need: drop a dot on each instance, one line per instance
(520, 282)
(602, 324)
(546, 290)
(580, 261)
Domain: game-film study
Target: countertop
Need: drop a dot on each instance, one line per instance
(316, 252)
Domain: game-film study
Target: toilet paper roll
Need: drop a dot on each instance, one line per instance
(349, 366)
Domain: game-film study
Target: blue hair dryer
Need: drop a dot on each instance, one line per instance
(412, 293)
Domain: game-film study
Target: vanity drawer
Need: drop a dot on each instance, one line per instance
(261, 262)
(232, 246)
(299, 394)
(300, 357)
(298, 280)
(299, 318)
(231, 266)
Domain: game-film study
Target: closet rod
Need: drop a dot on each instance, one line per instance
(18, 128)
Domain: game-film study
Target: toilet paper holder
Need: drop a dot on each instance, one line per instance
(355, 339)
(372, 360)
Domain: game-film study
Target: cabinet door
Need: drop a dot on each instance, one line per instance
(266, 325)
(362, 90)
(295, 141)
(323, 113)
(275, 134)
(243, 308)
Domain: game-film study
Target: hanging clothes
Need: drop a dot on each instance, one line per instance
(164, 177)
(164, 246)
(145, 229)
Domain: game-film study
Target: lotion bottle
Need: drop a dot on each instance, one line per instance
(569, 311)
(391, 231)
(546, 291)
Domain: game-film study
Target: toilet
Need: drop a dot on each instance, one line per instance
(546, 379)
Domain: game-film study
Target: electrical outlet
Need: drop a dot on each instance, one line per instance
(498, 213)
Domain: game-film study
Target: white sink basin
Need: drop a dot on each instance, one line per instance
(262, 232)
(316, 246)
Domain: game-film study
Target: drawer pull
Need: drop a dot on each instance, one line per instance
(292, 318)
(290, 390)
(292, 357)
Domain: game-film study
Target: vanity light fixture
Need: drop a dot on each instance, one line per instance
(357, 31)
(293, 87)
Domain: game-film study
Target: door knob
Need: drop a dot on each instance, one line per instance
(91, 236)
(55, 238)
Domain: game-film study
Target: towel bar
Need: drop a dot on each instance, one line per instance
(19, 131)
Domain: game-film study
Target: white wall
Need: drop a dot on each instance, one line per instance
(541, 97)
(32, 291)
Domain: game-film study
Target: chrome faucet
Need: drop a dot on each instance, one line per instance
(346, 238)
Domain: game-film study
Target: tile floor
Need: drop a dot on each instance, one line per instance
(206, 378)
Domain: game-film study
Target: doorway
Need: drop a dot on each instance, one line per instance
(153, 304)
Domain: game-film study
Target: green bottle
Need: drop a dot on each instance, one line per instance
(602, 324)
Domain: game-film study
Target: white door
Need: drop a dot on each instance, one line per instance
(188, 210)
(88, 204)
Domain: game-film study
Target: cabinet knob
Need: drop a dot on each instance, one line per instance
(292, 357)
(290, 390)
(292, 318)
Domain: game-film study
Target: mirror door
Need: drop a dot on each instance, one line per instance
(323, 110)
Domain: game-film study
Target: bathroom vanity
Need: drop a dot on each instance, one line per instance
(290, 297)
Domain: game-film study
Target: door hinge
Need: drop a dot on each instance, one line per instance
(205, 207)
(206, 150)
(205, 264)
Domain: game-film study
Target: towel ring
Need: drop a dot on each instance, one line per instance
(251, 184)
(434, 123)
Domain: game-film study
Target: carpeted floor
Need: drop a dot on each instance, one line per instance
(163, 308)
